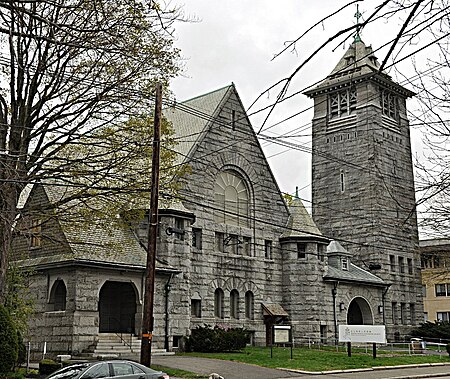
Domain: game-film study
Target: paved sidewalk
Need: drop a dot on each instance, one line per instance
(236, 370)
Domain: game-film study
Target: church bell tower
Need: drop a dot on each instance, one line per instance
(362, 179)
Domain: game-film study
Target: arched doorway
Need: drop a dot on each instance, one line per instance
(117, 308)
(359, 312)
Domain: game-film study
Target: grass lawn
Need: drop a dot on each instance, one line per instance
(320, 360)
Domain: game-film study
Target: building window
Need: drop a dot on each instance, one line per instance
(249, 305)
(247, 246)
(36, 233)
(342, 103)
(268, 249)
(425, 316)
(301, 250)
(403, 313)
(179, 229)
(344, 262)
(394, 313)
(58, 296)
(392, 262)
(401, 264)
(443, 316)
(412, 313)
(442, 289)
(234, 304)
(197, 238)
(218, 303)
(232, 241)
(410, 266)
(424, 290)
(320, 252)
(219, 242)
(231, 199)
(196, 308)
(233, 119)
(389, 104)
(342, 181)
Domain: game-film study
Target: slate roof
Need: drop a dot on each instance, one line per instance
(354, 273)
(300, 223)
(191, 119)
(103, 243)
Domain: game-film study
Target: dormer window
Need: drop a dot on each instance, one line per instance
(342, 103)
(344, 264)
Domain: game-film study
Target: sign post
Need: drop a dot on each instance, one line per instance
(281, 335)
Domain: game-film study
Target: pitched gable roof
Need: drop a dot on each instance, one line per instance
(192, 117)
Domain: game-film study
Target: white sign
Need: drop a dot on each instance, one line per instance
(362, 333)
(281, 334)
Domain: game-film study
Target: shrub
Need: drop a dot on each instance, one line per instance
(219, 338)
(8, 341)
(47, 366)
(438, 329)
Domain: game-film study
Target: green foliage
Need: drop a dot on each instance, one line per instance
(17, 300)
(8, 341)
(219, 338)
(438, 329)
(47, 366)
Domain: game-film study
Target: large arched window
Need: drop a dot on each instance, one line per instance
(218, 303)
(234, 304)
(231, 199)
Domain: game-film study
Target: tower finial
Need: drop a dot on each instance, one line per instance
(296, 192)
(358, 15)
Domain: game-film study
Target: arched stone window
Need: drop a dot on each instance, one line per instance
(231, 199)
(58, 296)
(218, 303)
(234, 304)
(249, 305)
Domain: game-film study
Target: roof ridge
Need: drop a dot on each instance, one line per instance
(208, 93)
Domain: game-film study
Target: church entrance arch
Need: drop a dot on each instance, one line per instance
(117, 308)
(359, 312)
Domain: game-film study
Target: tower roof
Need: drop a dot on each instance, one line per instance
(300, 224)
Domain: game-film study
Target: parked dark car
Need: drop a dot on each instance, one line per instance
(108, 369)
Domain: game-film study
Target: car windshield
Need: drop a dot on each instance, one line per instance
(68, 372)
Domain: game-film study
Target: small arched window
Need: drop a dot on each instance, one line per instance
(234, 304)
(58, 296)
(231, 199)
(249, 305)
(218, 303)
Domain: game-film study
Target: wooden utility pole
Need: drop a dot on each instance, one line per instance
(148, 319)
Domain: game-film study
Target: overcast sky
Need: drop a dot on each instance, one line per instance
(235, 41)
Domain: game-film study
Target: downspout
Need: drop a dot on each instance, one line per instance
(167, 289)
(334, 292)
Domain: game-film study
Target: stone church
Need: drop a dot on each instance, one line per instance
(231, 250)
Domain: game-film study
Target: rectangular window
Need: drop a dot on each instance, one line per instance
(342, 103)
(196, 308)
(394, 313)
(443, 316)
(403, 313)
(342, 179)
(392, 262)
(197, 238)
(410, 266)
(35, 233)
(425, 316)
(401, 264)
(233, 119)
(232, 241)
(441, 289)
(345, 264)
(219, 244)
(179, 229)
(320, 250)
(268, 249)
(301, 250)
(246, 246)
(412, 313)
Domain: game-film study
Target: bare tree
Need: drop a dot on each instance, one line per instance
(76, 85)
